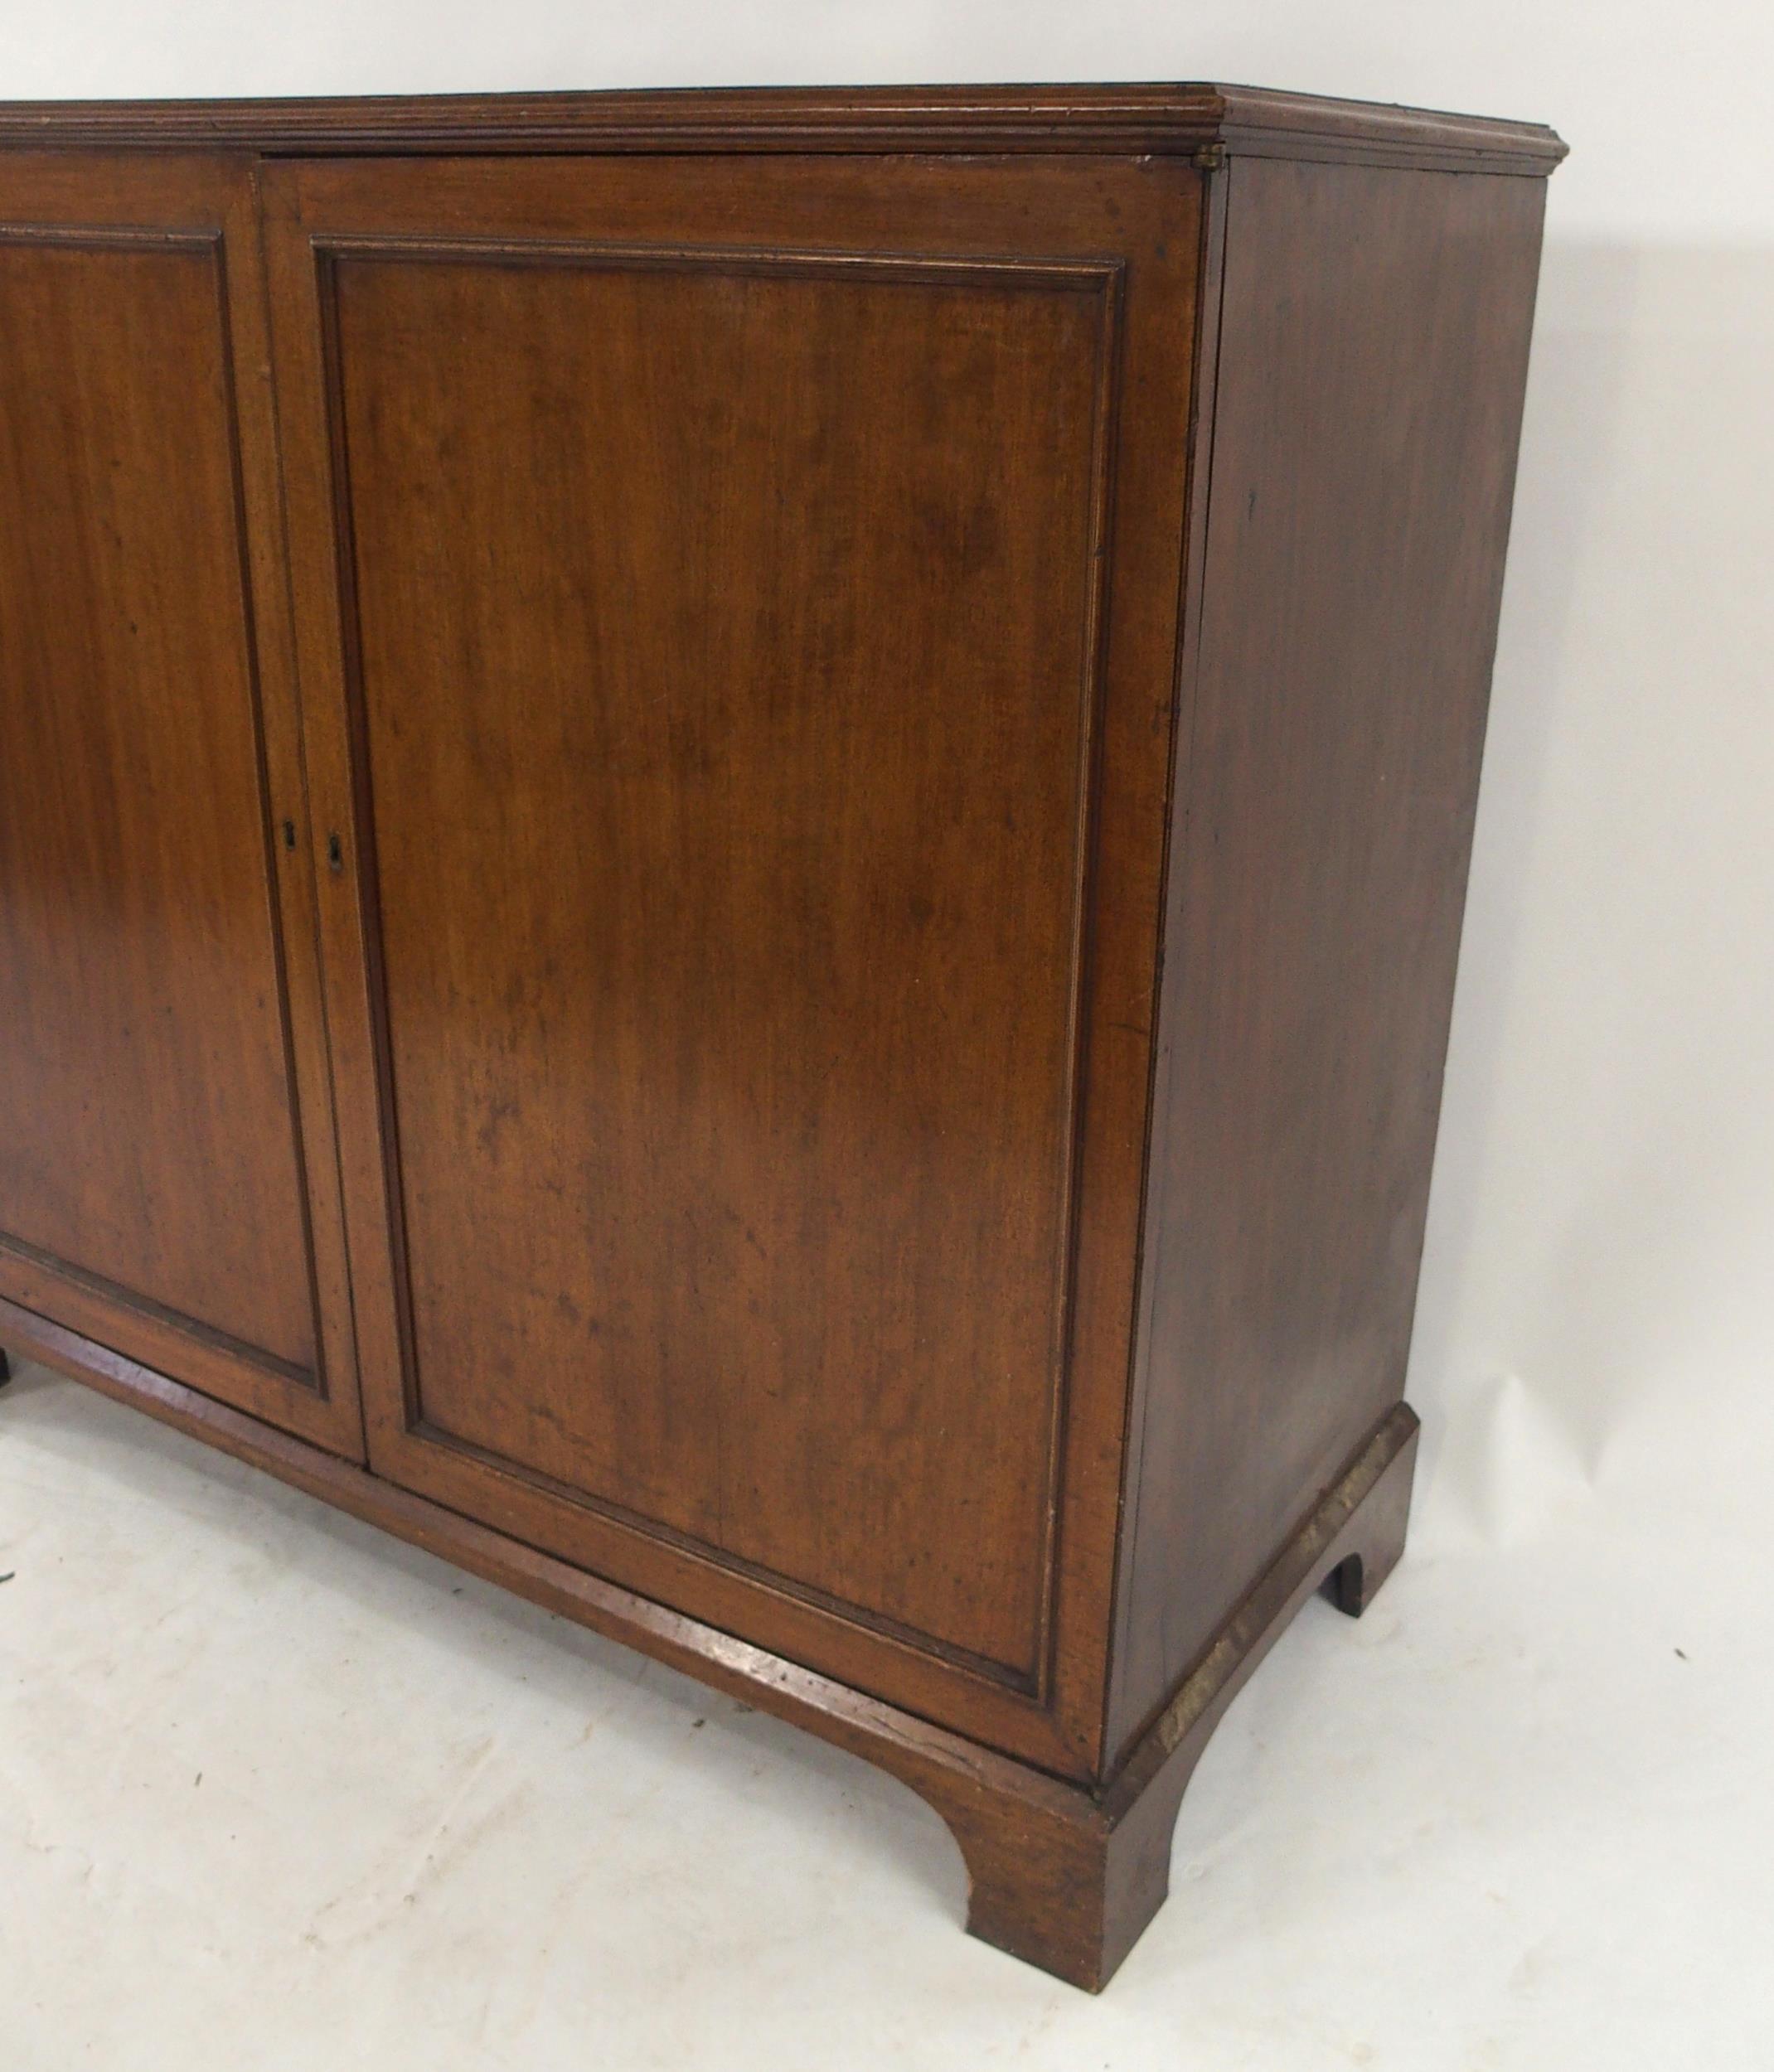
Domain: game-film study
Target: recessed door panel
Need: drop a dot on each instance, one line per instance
(719, 633)
(725, 642)
(151, 1162)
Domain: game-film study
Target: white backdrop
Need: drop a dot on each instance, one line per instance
(1595, 1347)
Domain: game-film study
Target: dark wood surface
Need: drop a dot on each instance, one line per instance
(1365, 423)
(728, 979)
(1135, 118)
(740, 722)
(151, 1145)
(823, 796)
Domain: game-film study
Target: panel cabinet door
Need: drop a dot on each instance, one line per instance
(738, 648)
(168, 1181)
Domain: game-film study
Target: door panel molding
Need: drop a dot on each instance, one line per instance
(1100, 280)
(203, 211)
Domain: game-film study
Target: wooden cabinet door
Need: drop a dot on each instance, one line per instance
(738, 647)
(168, 1182)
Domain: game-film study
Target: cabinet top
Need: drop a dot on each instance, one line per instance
(1145, 119)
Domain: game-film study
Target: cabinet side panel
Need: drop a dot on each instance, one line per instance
(1373, 356)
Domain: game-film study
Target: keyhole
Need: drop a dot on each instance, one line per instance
(335, 853)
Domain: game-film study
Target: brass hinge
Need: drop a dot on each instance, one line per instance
(1211, 157)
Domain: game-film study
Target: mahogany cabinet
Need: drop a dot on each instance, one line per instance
(732, 837)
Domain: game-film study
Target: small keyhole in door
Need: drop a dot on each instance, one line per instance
(290, 834)
(335, 853)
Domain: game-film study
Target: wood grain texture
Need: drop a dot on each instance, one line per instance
(151, 1152)
(1059, 1875)
(141, 993)
(729, 976)
(1372, 348)
(742, 831)
(1134, 119)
